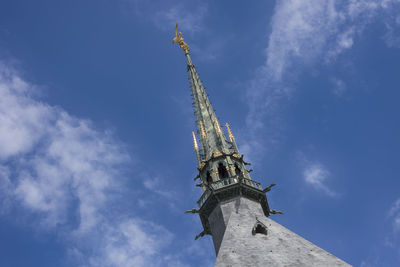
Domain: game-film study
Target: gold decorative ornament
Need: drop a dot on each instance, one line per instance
(217, 153)
(231, 137)
(202, 130)
(236, 155)
(195, 142)
(202, 165)
(179, 39)
(218, 127)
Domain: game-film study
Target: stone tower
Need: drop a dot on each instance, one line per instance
(233, 208)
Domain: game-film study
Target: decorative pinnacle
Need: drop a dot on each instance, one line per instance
(202, 130)
(196, 148)
(231, 137)
(179, 39)
(195, 142)
(218, 127)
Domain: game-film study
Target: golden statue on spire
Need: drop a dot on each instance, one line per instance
(179, 39)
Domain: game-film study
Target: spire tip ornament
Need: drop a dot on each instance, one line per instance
(179, 39)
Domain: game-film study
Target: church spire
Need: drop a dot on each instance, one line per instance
(211, 135)
(233, 208)
(218, 159)
(212, 138)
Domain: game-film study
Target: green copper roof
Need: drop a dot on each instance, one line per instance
(211, 136)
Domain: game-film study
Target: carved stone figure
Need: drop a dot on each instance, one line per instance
(179, 39)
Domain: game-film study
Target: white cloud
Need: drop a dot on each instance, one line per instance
(300, 29)
(392, 36)
(339, 86)
(391, 237)
(315, 174)
(304, 34)
(5, 185)
(20, 119)
(60, 167)
(394, 214)
(157, 186)
(132, 243)
(189, 21)
(308, 30)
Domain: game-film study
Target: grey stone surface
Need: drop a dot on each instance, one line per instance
(231, 225)
(217, 224)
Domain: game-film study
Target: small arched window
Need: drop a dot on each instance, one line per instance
(223, 173)
(259, 228)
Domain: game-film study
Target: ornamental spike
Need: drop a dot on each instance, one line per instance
(196, 148)
(231, 137)
(218, 127)
(202, 130)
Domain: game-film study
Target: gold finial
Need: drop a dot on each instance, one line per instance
(195, 142)
(231, 137)
(202, 130)
(179, 39)
(218, 127)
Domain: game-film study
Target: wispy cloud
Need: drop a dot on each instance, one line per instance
(339, 87)
(394, 215)
(132, 242)
(304, 34)
(62, 168)
(300, 29)
(157, 186)
(316, 175)
(391, 235)
(392, 36)
(189, 20)
(305, 31)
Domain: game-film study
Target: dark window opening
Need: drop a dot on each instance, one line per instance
(259, 228)
(237, 170)
(209, 178)
(223, 173)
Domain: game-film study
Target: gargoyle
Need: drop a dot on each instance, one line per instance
(268, 188)
(192, 211)
(275, 212)
(200, 235)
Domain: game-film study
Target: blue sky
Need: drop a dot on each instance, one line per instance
(96, 158)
